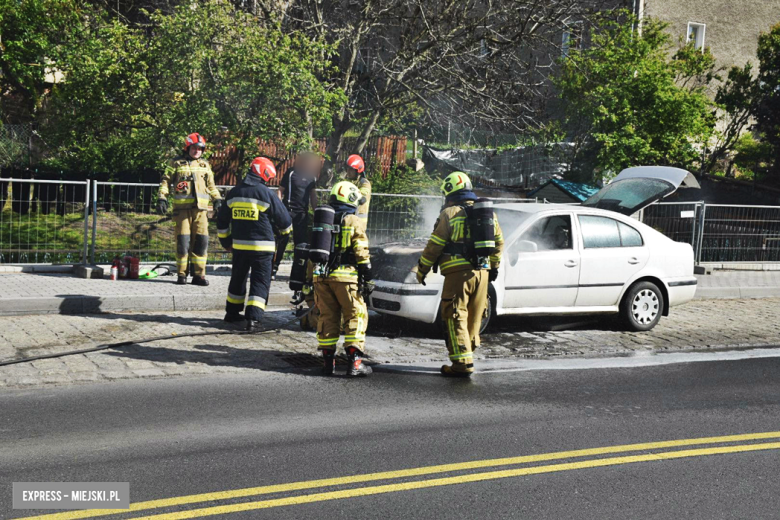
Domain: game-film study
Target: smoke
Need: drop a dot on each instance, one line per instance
(430, 209)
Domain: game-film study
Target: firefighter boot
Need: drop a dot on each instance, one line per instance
(457, 370)
(181, 280)
(233, 317)
(253, 326)
(199, 280)
(356, 366)
(328, 362)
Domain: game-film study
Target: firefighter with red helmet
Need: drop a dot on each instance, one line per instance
(356, 173)
(189, 182)
(248, 225)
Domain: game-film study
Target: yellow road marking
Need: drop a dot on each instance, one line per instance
(413, 472)
(463, 479)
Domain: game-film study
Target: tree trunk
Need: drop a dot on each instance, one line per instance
(335, 143)
(366, 134)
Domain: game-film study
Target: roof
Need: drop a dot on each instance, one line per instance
(577, 190)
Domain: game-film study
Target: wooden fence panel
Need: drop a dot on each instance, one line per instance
(226, 160)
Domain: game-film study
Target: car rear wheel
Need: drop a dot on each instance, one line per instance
(642, 306)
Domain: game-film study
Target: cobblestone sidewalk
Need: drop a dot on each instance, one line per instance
(699, 325)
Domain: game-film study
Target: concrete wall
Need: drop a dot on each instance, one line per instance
(733, 26)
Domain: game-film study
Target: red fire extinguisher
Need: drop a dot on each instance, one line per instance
(115, 268)
(134, 268)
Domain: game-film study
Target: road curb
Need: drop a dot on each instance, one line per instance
(81, 304)
(711, 293)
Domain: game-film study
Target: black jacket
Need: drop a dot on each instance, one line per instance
(251, 217)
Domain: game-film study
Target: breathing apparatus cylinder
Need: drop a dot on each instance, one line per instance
(321, 244)
(483, 231)
(298, 271)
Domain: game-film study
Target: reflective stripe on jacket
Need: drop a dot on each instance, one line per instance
(352, 238)
(251, 218)
(452, 228)
(364, 185)
(188, 183)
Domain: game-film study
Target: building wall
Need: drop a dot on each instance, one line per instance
(732, 29)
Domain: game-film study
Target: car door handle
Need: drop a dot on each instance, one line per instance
(570, 263)
(633, 260)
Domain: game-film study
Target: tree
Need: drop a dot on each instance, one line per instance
(409, 62)
(631, 103)
(132, 92)
(30, 33)
(767, 110)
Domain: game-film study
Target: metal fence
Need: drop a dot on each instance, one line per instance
(43, 221)
(720, 233)
(50, 221)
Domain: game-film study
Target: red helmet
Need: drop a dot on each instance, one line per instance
(356, 162)
(195, 139)
(263, 168)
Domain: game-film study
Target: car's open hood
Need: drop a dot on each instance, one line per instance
(638, 187)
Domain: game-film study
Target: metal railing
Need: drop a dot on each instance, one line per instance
(51, 221)
(43, 221)
(720, 233)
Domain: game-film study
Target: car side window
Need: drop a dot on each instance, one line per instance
(601, 232)
(629, 237)
(550, 233)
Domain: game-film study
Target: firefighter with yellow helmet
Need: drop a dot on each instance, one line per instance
(189, 181)
(338, 249)
(466, 244)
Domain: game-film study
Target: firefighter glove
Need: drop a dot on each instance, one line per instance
(217, 206)
(162, 206)
(421, 275)
(366, 272)
(366, 289)
(493, 274)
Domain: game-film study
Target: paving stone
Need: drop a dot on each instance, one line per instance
(699, 325)
(149, 372)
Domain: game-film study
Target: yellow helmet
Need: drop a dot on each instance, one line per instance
(346, 193)
(455, 181)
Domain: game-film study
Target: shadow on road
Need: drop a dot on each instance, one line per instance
(226, 356)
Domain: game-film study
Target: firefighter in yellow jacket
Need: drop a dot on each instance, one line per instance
(336, 289)
(189, 182)
(466, 244)
(356, 172)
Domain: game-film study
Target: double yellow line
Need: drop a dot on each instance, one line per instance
(436, 482)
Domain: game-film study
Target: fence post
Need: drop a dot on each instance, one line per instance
(94, 222)
(699, 233)
(85, 258)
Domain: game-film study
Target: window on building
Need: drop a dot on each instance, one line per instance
(696, 34)
(572, 39)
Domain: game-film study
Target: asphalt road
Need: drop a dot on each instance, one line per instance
(173, 438)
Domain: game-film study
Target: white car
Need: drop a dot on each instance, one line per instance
(559, 259)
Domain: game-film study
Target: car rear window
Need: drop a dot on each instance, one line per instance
(598, 232)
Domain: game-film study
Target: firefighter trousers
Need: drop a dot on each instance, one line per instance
(463, 304)
(192, 240)
(337, 300)
(259, 284)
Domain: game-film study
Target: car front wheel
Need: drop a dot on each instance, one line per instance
(490, 311)
(642, 306)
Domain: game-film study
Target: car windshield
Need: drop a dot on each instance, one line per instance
(629, 195)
